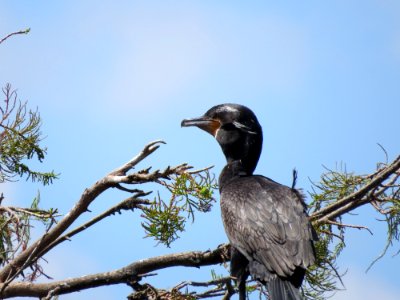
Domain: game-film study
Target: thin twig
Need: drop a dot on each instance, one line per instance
(26, 31)
(201, 170)
(127, 204)
(147, 150)
(379, 209)
(333, 234)
(218, 281)
(348, 225)
(41, 214)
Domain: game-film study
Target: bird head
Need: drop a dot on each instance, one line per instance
(236, 129)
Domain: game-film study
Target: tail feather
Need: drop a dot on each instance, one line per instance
(279, 289)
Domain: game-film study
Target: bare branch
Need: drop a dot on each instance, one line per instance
(26, 31)
(145, 176)
(41, 246)
(218, 281)
(223, 287)
(41, 214)
(148, 149)
(127, 204)
(339, 224)
(201, 170)
(126, 275)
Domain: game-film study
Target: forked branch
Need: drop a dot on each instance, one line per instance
(365, 194)
(115, 178)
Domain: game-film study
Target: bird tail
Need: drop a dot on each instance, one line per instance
(279, 289)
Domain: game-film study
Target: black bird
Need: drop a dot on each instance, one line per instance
(266, 223)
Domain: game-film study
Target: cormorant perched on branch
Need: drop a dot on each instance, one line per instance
(266, 223)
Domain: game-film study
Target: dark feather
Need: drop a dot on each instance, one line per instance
(266, 221)
(283, 290)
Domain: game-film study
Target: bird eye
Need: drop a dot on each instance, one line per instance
(230, 127)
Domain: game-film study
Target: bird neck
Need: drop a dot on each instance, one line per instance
(244, 150)
(232, 170)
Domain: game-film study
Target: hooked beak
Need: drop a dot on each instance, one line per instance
(207, 124)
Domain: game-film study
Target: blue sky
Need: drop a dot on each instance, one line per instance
(107, 78)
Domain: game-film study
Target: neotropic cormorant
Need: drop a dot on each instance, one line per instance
(266, 223)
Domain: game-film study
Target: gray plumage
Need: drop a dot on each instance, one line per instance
(267, 223)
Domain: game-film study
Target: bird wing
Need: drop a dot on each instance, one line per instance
(267, 222)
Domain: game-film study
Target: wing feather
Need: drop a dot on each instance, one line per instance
(266, 221)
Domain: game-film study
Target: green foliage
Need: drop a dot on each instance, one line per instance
(324, 276)
(19, 140)
(15, 224)
(190, 192)
(194, 191)
(334, 186)
(387, 203)
(163, 221)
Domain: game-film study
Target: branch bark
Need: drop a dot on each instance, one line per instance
(356, 199)
(125, 275)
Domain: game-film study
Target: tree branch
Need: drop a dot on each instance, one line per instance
(223, 287)
(40, 247)
(148, 149)
(126, 275)
(339, 224)
(127, 204)
(26, 31)
(357, 198)
(145, 176)
(41, 214)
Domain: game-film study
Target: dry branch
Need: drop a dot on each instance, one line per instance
(127, 204)
(26, 31)
(126, 275)
(116, 177)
